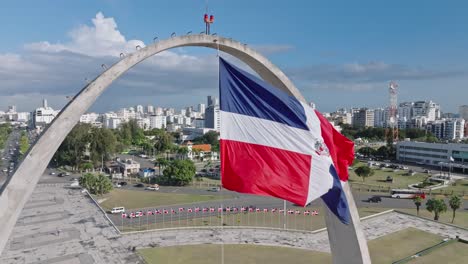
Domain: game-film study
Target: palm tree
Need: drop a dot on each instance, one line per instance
(417, 201)
(87, 181)
(437, 206)
(162, 162)
(455, 203)
(182, 152)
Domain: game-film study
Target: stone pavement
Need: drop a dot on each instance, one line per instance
(59, 225)
(374, 227)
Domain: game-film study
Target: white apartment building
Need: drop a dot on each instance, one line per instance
(143, 123)
(139, 109)
(364, 117)
(43, 116)
(380, 117)
(128, 166)
(157, 121)
(112, 123)
(201, 108)
(149, 109)
(435, 154)
(448, 129)
(89, 118)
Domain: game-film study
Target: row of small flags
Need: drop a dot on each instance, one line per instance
(211, 210)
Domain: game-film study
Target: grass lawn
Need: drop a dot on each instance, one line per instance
(142, 199)
(273, 220)
(386, 249)
(245, 254)
(461, 216)
(400, 180)
(456, 252)
(400, 244)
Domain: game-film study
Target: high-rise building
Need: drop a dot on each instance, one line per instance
(157, 121)
(201, 108)
(212, 100)
(149, 109)
(139, 109)
(448, 129)
(212, 117)
(363, 118)
(463, 111)
(380, 117)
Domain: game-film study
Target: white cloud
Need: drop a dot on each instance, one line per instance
(101, 39)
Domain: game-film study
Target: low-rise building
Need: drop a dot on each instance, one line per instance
(434, 154)
(128, 166)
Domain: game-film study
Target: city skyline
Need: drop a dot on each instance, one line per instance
(344, 59)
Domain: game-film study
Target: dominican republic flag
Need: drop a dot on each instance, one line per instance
(272, 144)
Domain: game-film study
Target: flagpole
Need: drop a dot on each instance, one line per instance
(284, 214)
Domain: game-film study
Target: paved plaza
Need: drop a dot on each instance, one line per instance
(60, 225)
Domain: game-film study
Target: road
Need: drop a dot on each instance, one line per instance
(9, 155)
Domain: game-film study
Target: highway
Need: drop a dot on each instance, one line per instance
(9, 155)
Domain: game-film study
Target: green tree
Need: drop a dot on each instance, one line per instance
(102, 184)
(163, 141)
(161, 163)
(23, 143)
(455, 203)
(383, 152)
(437, 206)
(417, 201)
(367, 151)
(71, 151)
(99, 184)
(87, 181)
(364, 172)
(182, 152)
(178, 173)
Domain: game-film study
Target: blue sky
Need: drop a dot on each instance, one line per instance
(338, 53)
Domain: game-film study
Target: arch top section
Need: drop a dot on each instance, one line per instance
(261, 65)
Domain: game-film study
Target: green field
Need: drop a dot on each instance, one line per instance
(245, 254)
(260, 219)
(400, 180)
(400, 244)
(461, 218)
(386, 249)
(143, 199)
(456, 252)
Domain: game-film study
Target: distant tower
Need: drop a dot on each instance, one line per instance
(392, 127)
(44, 103)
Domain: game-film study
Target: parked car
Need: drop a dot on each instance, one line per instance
(374, 199)
(151, 188)
(139, 185)
(214, 189)
(389, 179)
(123, 183)
(52, 173)
(61, 175)
(67, 174)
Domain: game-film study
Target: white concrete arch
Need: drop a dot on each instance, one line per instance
(17, 190)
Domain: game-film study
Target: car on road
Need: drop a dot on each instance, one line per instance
(52, 173)
(61, 175)
(374, 199)
(139, 185)
(5, 170)
(67, 174)
(152, 188)
(122, 183)
(73, 179)
(214, 189)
